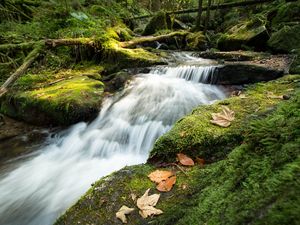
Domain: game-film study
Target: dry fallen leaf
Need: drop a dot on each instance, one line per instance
(123, 211)
(133, 197)
(224, 118)
(182, 134)
(166, 185)
(159, 175)
(185, 160)
(146, 204)
(200, 161)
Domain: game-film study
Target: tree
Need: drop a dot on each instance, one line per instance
(198, 22)
(207, 16)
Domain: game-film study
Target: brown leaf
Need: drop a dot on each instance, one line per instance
(185, 160)
(123, 211)
(159, 175)
(166, 185)
(224, 118)
(146, 204)
(200, 161)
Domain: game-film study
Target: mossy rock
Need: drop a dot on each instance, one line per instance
(160, 21)
(256, 183)
(63, 103)
(286, 39)
(197, 136)
(287, 12)
(252, 33)
(196, 41)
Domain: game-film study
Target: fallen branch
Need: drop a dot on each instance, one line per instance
(21, 46)
(149, 39)
(22, 69)
(213, 7)
(70, 41)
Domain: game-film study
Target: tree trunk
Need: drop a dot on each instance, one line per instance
(207, 16)
(198, 22)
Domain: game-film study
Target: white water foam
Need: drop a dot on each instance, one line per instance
(44, 186)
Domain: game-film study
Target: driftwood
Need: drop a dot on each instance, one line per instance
(149, 39)
(212, 7)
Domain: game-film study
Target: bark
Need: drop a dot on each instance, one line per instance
(70, 41)
(22, 69)
(144, 40)
(198, 22)
(207, 16)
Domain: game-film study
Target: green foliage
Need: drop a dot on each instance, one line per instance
(286, 39)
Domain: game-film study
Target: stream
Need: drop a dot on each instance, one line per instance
(39, 189)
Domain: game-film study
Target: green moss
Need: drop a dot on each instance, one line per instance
(287, 12)
(59, 98)
(161, 21)
(286, 39)
(196, 41)
(295, 67)
(251, 33)
(256, 183)
(195, 135)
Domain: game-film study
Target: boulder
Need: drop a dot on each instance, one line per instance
(252, 33)
(243, 73)
(196, 42)
(160, 21)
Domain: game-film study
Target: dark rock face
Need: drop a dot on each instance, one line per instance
(239, 73)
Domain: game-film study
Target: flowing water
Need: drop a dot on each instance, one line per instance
(43, 186)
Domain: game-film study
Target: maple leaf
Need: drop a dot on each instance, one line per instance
(166, 185)
(146, 204)
(159, 175)
(123, 211)
(185, 160)
(224, 118)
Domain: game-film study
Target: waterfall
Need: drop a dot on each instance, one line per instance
(44, 186)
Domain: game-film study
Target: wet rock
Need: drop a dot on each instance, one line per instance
(239, 73)
(116, 81)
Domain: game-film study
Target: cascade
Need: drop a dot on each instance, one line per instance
(42, 187)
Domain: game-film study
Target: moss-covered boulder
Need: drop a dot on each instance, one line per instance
(62, 101)
(196, 41)
(195, 135)
(252, 33)
(286, 39)
(160, 21)
(256, 183)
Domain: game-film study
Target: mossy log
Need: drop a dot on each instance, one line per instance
(22, 69)
(149, 39)
(70, 41)
(21, 46)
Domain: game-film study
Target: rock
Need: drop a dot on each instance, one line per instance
(63, 103)
(161, 21)
(116, 81)
(196, 41)
(177, 24)
(252, 33)
(240, 73)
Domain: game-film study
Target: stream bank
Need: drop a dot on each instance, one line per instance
(249, 169)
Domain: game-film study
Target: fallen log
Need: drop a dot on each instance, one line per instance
(212, 7)
(22, 69)
(149, 39)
